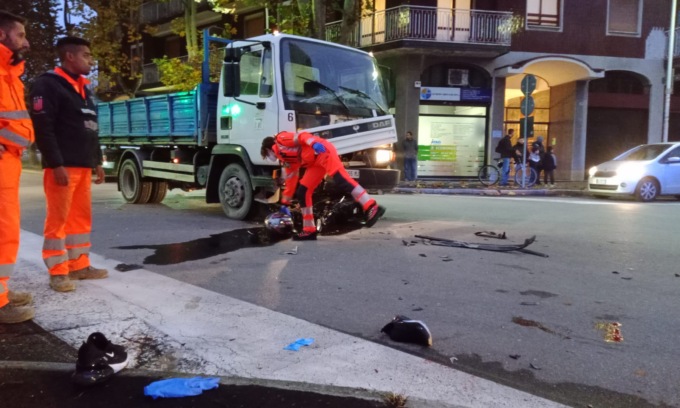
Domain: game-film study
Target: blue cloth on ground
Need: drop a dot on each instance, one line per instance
(295, 346)
(180, 387)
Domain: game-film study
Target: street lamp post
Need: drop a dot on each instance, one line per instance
(669, 71)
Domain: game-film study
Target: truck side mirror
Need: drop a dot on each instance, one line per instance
(232, 79)
(232, 72)
(386, 75)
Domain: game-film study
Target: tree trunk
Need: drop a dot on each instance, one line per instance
(349, 20)
(319, 24)
(190, 28)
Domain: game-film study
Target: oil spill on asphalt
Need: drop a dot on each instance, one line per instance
(202, 248)
(219, 244)
(128, 267)
(532, 323)
(539, 293)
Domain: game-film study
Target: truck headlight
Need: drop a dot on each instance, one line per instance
(383, 156)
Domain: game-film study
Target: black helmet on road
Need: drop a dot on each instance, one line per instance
(279, 223)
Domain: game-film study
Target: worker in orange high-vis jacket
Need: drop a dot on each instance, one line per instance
(319, 158)
(16, 134)
(65, 119)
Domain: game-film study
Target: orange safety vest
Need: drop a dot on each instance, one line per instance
(16, 128)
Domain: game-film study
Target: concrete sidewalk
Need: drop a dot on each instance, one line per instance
(178, 329)
(474, 187)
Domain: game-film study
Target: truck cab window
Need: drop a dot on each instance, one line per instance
(267, 80)
(250, 72)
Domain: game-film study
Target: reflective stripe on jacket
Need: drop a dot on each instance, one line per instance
(16, 128)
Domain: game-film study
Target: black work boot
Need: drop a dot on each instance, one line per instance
(373, 214)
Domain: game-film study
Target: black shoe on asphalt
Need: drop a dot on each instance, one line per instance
(373, 214)
(98, 360)
(305, 236)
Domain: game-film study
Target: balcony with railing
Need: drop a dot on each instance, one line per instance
(154, 11)
(428, 24)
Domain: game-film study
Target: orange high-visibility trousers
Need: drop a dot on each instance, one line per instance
(10, 174)
(68, 222)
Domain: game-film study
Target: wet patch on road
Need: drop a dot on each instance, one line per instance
(539, 293)
(220, 244)
(202, 248)
(532, 323)
(128, 267)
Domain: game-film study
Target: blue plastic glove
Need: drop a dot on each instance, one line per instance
(318, 148)
(295, 346)
(285, 210)
(180, 387)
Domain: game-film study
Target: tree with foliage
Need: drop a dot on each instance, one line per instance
(42, 31)
(113, 27)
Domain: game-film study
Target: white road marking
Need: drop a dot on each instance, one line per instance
(170, 325)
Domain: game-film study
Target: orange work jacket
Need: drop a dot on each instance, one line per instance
(16, 128)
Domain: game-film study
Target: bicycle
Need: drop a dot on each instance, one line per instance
(490, 174)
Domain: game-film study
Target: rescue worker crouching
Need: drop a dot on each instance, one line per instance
(319, 158)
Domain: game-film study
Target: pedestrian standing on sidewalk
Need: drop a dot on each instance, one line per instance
(65, 119)
(549, 166)
(16, 134)
(410, 146)
(504, 147)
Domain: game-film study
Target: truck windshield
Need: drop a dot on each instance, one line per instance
(326, 79)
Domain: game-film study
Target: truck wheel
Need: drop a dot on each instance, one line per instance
(235, 191)
(158, 191)
(133, 188)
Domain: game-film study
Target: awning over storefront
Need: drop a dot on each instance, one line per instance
(555, 70)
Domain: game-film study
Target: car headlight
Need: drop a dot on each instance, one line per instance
(630, 171)
(383, 156)
(592, 171)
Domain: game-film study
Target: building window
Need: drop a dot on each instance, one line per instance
(544, 14)
(624, 17)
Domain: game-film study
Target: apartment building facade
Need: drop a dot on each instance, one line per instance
(455, 68)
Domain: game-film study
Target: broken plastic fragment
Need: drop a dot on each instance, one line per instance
(612, 331)
(293, 251)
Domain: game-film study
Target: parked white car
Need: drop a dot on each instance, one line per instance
(646, 171)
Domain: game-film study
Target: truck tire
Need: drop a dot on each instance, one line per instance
(132, 187)
(236, 192)
(158, 191)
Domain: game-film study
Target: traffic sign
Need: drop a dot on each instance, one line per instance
(527, 106)
(528, 84)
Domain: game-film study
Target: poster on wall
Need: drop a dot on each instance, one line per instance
(451, 146)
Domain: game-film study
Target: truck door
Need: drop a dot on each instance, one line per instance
(253, 114)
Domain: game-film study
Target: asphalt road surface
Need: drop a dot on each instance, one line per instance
(593, 323)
